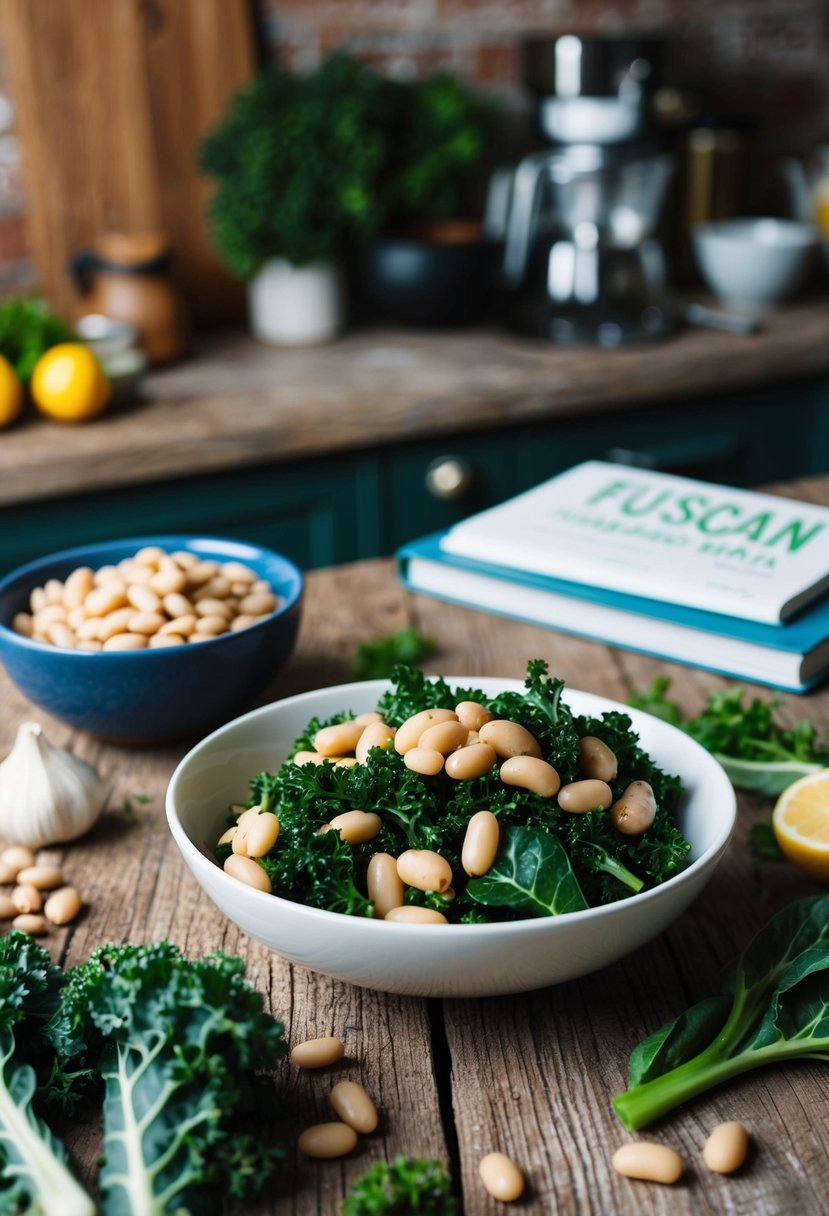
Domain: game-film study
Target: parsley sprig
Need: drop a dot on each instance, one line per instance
(757, 752)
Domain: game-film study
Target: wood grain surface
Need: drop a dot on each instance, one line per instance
(532, 1075)
(239, 402)
(111, 100)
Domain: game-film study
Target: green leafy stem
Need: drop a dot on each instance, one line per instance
(775, 1008)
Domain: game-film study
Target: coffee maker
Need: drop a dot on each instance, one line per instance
(582, 258)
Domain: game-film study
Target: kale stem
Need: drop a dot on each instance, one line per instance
(406, 823)
(54, 1191)
(647, 1102)
(614, 867)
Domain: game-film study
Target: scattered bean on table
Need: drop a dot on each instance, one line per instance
(354, 1106)
(501, 1177)
(326, 1140)
(649, 1161)
(726, 1148)
(318, 1053)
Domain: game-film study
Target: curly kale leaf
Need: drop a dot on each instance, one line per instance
(378, 659)
(180, 1046)
(598, 850)
(35, 1176)
(749, 731)
(406, 1186)
(616, 730)
(321, 869)
(542, 711)
(414, 691)
(305, 742)
(432, 812)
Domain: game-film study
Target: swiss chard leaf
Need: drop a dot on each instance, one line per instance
(532, 871)
(775, 1007)
(793, 945)
(797, 1014)
(679, 1040)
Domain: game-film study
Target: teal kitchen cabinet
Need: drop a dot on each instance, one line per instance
(316, 512)
(353, 504)
(742, 440)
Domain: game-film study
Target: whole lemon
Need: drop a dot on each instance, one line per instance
(69, 384)
(11, 393)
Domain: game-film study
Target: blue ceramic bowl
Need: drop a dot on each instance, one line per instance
(150, 696)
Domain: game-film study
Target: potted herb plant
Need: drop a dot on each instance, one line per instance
(432, 263)
(297, 159)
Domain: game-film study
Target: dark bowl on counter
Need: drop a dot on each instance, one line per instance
(151, 696)
(435, 275)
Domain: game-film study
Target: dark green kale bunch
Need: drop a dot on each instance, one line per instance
(35, 1175)
(180, 1046)
(406, 1186)
(549, 861)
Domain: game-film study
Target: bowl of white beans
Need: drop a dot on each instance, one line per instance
(151, 638)
(414, 957)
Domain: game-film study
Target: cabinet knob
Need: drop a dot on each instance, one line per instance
(449, 478)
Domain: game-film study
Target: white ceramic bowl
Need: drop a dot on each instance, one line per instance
(753, 264)
(436, 960)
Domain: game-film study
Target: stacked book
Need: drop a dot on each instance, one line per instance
(730, 580)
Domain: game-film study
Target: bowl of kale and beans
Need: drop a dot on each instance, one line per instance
(451, 836)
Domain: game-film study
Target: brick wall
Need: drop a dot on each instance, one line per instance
(763, 57)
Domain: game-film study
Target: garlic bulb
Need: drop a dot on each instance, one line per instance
(47, 795)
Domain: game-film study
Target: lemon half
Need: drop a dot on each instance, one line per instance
(801, 824)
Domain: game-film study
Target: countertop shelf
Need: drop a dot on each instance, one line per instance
(237, 403)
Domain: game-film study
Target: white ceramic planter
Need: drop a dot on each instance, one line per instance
(296, 305)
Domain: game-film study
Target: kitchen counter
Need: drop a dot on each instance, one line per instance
(531, 1075)
(237, 403)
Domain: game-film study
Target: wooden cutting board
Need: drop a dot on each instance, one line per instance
(111, 101)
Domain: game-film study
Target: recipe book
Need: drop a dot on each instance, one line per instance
(792, 656)
(735, 552)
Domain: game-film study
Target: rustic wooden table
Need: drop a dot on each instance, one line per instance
(532, 1075)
